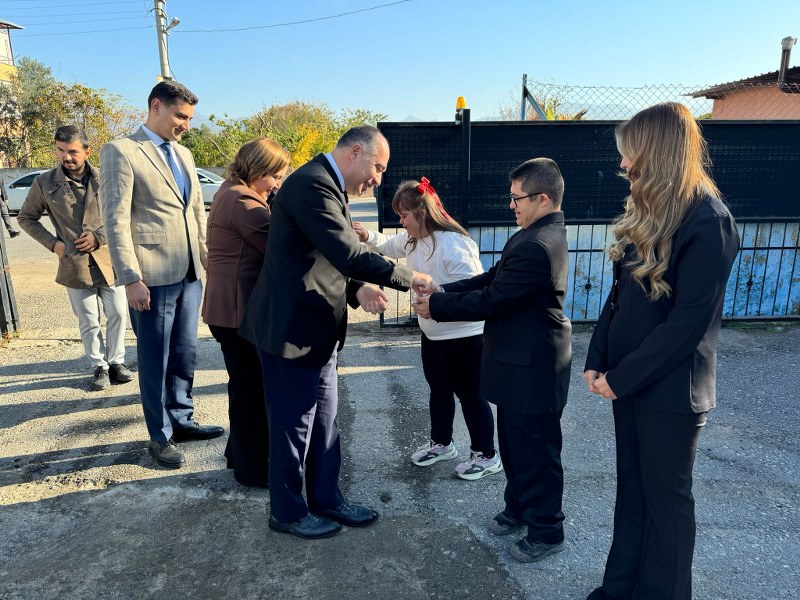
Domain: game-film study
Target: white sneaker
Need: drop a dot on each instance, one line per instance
(430, 453)
(477, 466)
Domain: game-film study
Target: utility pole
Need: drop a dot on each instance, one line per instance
(159, 8)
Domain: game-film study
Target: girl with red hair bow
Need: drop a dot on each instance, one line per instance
(434, 243)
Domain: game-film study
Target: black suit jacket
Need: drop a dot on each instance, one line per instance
(526, 359)
(663, 353)
(298, 308)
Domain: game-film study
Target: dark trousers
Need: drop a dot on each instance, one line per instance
(5, 215)
(166, 344)
(247, 450)
(304, 443)
(654, 524)
(453, 367)
(530, 447)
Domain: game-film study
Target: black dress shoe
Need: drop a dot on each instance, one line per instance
(166, 454)
(197, 432)
(351, 515)
(310, 527)
(14, 232)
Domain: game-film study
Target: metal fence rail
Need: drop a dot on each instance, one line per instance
(764, 281)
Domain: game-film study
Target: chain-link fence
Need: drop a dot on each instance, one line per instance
(739, 100)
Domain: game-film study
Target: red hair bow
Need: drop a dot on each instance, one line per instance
(425, 187)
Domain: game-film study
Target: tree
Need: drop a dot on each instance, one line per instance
(216, 147)
(104, 116)
(34, 104)
(304, 129)
(24, 109)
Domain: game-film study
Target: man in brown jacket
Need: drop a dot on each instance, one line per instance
(69, 194)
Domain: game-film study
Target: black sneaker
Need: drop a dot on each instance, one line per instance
(14, 233)
(100, 379)
(525, 551)
(119, 373)
(504, 524)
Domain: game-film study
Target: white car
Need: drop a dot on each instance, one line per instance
(17, 190)
(209, 183)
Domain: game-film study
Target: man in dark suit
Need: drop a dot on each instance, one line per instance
(526, 358)
(155, 223)
(297, 317)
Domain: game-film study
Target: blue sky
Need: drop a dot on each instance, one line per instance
(411, 58)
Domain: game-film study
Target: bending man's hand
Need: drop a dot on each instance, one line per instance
(372, 299)
(138, 296)
(423, 284)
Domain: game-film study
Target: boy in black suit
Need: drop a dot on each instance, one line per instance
(526, 359)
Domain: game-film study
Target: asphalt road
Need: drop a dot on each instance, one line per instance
(84, 513)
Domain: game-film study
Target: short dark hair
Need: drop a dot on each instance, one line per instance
(540, 175)
(363, 134)
(171, 92)
(71, 133)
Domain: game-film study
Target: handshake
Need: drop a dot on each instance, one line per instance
(374, 300)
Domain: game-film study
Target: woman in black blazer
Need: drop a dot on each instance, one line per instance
(653, 352)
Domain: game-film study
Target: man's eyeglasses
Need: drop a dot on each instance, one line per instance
(515, 199)
(379, 168)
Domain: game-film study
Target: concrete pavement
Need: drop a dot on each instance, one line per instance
(86, 514)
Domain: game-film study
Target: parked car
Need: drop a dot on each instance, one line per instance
(209, 183)
(17, 190)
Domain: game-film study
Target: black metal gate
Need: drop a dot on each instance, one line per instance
(756, 165)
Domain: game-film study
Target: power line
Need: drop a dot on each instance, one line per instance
(27, 35)
(352, 12)
(84, 21)
(74, 14)
(62, 6)
(222, 30)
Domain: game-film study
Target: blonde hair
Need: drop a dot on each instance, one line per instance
(427, 210)
(256, 159)
(669, 158)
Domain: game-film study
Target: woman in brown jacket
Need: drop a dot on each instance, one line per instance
(237, 239)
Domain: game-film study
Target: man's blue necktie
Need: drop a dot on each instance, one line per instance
(176, 173)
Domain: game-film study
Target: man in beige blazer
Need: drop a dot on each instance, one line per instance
(69, 195)
(156, 228)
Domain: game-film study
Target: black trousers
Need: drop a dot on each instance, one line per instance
(248, 443)
(453, 367)
(530, 447)
(654, 522)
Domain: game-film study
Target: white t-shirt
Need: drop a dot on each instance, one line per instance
(455, 257)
